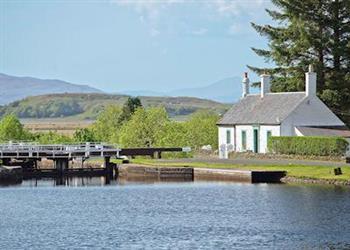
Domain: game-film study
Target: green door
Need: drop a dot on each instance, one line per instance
(256, 140)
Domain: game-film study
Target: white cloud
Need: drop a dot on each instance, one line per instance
(154, 32)
(152, 13)
(200, 32)
(236, 7)
(234, 29)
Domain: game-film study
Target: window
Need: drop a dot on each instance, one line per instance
(244, 140)
(228, 136)
(268, 135)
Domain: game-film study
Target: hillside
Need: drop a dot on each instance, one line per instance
(227, 90)
(88, 106)
(20, 87)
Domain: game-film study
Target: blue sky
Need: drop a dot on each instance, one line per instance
(130, 45)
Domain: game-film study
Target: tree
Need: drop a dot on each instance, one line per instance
(107, 126)
(202, 129)
(52, 138)
(84, 135)
(144, 127)
(310, 32)
(173, 134)
(129, 108)
(12, 129)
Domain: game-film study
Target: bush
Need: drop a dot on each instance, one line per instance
(308, 145)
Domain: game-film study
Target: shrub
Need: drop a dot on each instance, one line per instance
(308, 145)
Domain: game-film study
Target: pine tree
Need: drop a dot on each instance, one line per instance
(310, 32)
(129, 108)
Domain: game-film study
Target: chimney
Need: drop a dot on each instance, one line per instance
(245, 85)
(265, 85)
(310, 82)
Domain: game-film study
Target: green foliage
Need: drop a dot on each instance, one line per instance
(107, 126)
(52, 138)
(310, 32)
(84, 135)
(12, 129)
(173, 134)
(308, 145)
(144, 127)
(202, 129)
(129, 109)
(154, 128)
(90, 106)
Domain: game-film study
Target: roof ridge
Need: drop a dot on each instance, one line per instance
(277, 93)
(274, 108)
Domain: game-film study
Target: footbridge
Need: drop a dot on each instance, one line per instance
(27, 156)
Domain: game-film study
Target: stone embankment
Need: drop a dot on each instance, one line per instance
(291, 179)
(137, 172)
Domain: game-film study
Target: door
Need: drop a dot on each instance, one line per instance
(256, 140)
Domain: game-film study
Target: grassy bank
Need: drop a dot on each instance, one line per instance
(297, 171)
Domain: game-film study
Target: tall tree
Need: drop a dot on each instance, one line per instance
(107, 126)
(129, 109)
(12, 129)
(144, 127)
(310, 32)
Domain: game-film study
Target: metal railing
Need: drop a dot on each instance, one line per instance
(30, 149)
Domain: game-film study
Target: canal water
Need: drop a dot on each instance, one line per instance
(86, 214)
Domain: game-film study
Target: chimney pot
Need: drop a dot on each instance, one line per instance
(265, 85)
(310, 82)
(245, 85)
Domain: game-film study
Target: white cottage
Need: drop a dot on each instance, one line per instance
(250, 122)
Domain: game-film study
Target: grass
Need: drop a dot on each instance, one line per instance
(298, 171)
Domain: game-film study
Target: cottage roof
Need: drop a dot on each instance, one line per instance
(273, 108)
(324, 131)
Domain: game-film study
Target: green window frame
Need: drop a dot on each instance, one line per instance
(268, 135)
(228, 136)
(244, 139)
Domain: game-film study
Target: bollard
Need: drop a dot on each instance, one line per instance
(338, 171)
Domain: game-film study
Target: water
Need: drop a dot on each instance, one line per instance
(85, 215)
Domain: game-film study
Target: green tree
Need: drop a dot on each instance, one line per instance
(129, 109)
(52, 138)
(173, 134)
(144, 127)
(84, 135)
(202, 129)
(12, 129)
(107, 126)
(310, 32)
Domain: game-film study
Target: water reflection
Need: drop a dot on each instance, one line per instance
(69, 182)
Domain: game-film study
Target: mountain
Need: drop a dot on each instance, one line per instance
(15, 88)
(227, 90)
(88, 106)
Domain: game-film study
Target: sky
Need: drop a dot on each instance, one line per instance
(123, 45)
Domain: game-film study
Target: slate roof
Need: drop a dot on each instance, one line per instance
(272, 109)
(325, 131)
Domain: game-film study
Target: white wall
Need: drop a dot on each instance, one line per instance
(275, 131)
(249, 133)
(225, 148)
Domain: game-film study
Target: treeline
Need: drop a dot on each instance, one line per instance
(89, 106)
(52, 109)
(129, 126)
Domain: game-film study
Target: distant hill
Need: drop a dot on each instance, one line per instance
(88, 106)
(227, 90)
(16, 88)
